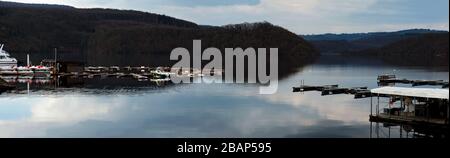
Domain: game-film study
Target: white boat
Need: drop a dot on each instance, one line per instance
(162, 73)
(5, 60)
(8, 71)
(92, 69)
(160, 80)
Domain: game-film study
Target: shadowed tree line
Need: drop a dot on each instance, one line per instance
(414, 47)
(424, 50)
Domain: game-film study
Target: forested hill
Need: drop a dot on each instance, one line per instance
(40, 28)
(5, 4)
(125, 37)
(425, 50)
(356, 42)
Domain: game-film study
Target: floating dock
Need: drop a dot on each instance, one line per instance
(305, 88)
(359, 92)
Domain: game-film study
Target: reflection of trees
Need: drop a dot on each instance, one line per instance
(390, 130)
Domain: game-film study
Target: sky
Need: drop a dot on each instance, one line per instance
(299, 16)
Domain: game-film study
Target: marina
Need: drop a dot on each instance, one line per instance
(263, 77)
(51, 69)
(427, 107)
(416, 107)
(90, 72)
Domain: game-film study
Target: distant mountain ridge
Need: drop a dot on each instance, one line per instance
(357, 42)
(361, 36)
(431, 49)
(35, 5)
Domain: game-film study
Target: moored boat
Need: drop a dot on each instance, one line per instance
(8, 71)
(5, 60)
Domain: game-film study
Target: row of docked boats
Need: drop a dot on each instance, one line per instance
(35, 71)
(138, 72)
(8, 67)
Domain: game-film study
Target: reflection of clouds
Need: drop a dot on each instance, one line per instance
(272, 121)
(22, 128)
(72, 109)
(338, 107)
(332, 129)
(156, 115)
(335, 107)
(50, 112)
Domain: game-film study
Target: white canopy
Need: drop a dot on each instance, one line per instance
(413, 92)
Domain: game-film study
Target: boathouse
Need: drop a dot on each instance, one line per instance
(413, 106)
(64, 66)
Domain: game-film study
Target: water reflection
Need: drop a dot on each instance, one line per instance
(113, 108)
(85, 86)
(390, 130)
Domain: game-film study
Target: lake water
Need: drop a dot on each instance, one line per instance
(111, 108)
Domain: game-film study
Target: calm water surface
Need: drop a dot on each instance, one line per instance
(110, 108)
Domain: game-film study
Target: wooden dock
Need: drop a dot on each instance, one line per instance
(359, 92)
(305, 88)
(334, 90)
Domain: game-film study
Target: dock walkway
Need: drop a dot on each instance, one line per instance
(359, 92)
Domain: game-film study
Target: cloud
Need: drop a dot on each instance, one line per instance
(211, 2)
(316, 16)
